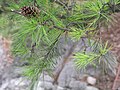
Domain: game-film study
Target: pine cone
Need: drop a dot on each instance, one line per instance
(30, 11)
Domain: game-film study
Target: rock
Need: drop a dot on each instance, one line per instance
(5, 54)
(91, 80)
(46, 85)
(40, 88)
(91, 88)
(118, 88)
(46, 78)
(4, 86)
(68, 79)
(15, 84)
(77, 85)
(60, 88)
(67, 73)
(1, 50)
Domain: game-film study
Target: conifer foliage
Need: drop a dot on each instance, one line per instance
(36, 26)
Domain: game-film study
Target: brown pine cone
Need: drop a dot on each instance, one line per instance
(30, 11)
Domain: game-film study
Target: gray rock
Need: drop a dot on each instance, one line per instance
(77, 85)
(11, 79)
(91, 88)
(119, 88)
(46, 85)
(3, 86)
(15, 84)
(45, 77)
(91, 80)
(60, 88)
(39, 88)
(67, 73)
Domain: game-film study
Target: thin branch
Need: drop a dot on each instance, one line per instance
(116, 78)
(62, 4)
(34, 2)
(65, 29)
(15, 11)
(85, 46)
(54, 26)
(52, 46)
(46, 21)
(65, 5)
(33, 48)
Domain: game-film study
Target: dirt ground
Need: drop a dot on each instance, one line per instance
(112, 35)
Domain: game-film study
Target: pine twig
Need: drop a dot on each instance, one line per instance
(52, 46)
(62, 4)
(35, 2)
(116, 78)
(59, 28)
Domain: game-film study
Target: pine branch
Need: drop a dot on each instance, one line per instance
(59, 28)
(35, 2)
(62, 4)
(52, 46)
(90, 17)
(54, 26)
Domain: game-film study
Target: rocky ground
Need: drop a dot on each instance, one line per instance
(69, 79)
